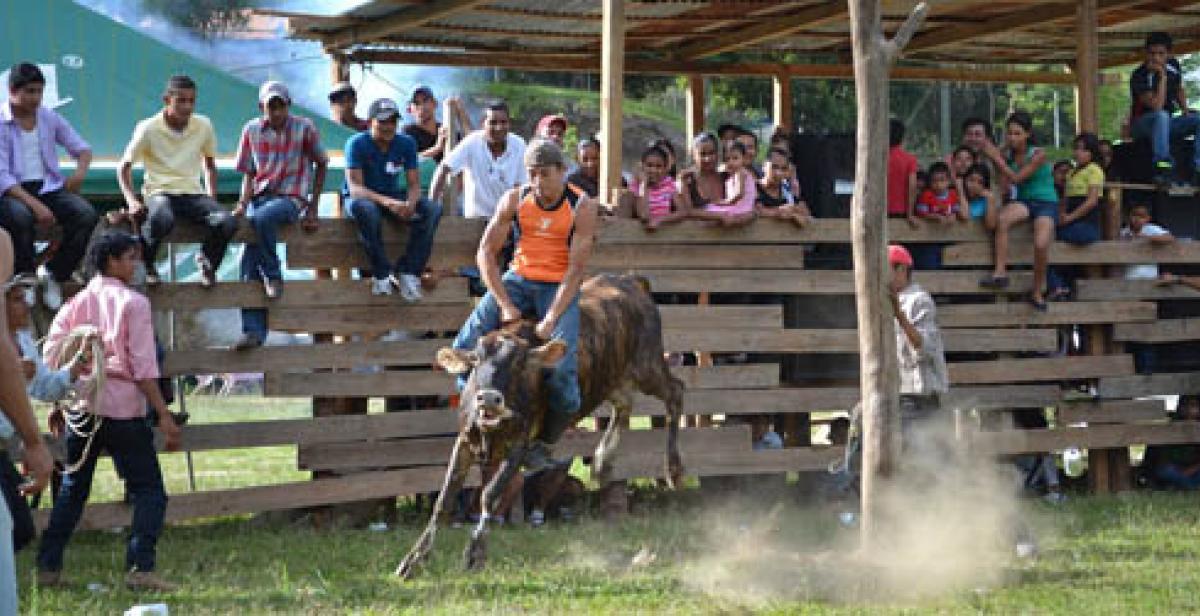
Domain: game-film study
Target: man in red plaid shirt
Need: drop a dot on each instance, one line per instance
(283, 167)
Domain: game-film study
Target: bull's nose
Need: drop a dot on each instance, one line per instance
(489, 398)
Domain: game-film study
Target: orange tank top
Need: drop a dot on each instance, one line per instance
(543, 246)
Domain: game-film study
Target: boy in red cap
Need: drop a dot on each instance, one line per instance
(919, 353)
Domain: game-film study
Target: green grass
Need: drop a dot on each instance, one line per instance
(1134, 554)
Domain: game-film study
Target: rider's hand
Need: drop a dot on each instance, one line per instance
(545, 328)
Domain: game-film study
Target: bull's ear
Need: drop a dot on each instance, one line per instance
(456, 361)
(551, 353)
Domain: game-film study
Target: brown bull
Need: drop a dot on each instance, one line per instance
(620, 350)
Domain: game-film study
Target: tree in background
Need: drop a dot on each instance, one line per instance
(205, 17)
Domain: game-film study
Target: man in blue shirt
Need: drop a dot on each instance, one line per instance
(374, 161)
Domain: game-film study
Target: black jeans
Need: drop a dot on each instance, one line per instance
(10, 484)
(130, 442)
(73, 213)
(201, 209)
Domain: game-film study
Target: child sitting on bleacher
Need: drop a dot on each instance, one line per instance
(982, 203)
(1140, 228)
(737, 208)
(657, 193)
(939, 203)
(961, 161)
(1079, 210)
(777, 197)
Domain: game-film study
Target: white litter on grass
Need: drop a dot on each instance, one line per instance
(643, 558)
(97, 587)
(378, 527)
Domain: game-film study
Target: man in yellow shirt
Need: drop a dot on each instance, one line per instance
(175, 146)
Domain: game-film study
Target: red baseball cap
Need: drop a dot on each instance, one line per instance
(898, 254)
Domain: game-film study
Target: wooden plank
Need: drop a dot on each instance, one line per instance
(467, 232)
(1040, 369)
(412, 452)
(297, 294)
(612, 257)
(360, 320)
(1104, 252)
(846, 340)
(1110, 289)
(1092, 437)
(767, 29)
(768, 317)
(303, 358)
(294, 495)
(1166, 330)
(1021, 314)
(733, 463)
(317, 430)
(809, 282)
(437, 383)
(1150, 385)
(1111, 411)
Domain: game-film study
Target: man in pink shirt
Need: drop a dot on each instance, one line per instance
(123, 317)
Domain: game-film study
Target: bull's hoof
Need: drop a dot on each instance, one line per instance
(475, 556)
(674, 473)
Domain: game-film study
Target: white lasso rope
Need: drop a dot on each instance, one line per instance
(81, 404)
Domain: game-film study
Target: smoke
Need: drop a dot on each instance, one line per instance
(952, 522)
(263, 52)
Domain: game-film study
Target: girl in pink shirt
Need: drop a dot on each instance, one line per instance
(657, 194)
(737, 208)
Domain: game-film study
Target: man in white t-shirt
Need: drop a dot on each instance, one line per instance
(490, 160)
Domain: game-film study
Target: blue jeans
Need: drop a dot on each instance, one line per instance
(131, 445)
(926, 256)
(1079, 233)
(1173, 476)
(422, 227)
(261, 260)
(1160, 128)
(562, 385)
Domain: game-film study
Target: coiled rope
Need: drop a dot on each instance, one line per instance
(81, 405)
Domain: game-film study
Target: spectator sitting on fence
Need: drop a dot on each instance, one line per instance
(1156, 88)
(940, 204)
(1106, 157)
(1176, 466)
(177, 146)
(728, 133)
(1060, 171)
(1025, 167)
(656, 194)
(490, 160)
(976, 136)
(586, 177)
(283, 167)
(982, 201)
(34, 192)
(1079, 210)
(1141, 229)
(42, 383)
(114, 421)
(431, 135)
(703, 183)
(961, 161)
(750, 140)
(777, 197)
(672, 158)
(374, 162)
(552, 128)
(902, 171)
(737, 207)
(342, 103)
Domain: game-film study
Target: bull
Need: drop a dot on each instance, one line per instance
(620, 350)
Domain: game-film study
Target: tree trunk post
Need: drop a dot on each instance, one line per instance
(873, 56)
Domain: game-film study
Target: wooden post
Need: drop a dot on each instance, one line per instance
(695, 106)
(612, 96)
(782, 98)
(1087, 66)
(873, 56)
(450, 195)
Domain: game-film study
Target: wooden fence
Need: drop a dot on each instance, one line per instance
(1002, 354)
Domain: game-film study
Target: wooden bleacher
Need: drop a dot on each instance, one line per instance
(1001, 354)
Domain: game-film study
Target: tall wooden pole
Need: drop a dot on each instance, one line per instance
(873, 56)
(1087, 67)
(781, 88)
(695, 106)
(612, 95)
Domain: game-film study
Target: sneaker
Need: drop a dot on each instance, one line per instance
(148, 581)
(537, 518)
(208, 276)
(272, 288)
(52, 293)
(247, 342)
(1055, 498)
(381, 286)
(50, 579)
(410, 287)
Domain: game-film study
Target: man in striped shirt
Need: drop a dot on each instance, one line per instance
(283, 167)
